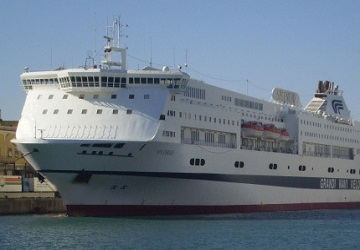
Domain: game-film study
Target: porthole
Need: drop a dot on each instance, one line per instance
(197, 162)
(239, 164)
(273, 166)
(302, 168)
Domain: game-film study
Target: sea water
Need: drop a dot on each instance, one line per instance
(320, 229)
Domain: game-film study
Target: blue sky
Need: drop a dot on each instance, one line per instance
(288, 44)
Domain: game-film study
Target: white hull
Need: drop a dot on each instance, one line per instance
(166, 179)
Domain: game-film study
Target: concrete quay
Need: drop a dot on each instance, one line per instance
(30, 203)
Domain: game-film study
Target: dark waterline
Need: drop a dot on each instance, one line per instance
(321, 229)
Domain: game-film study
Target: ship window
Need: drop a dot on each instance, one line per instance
(111, 82)
(119, 145)
(65, 96)
(146, 96)
(103, 81)
(69, 111)
(137, 80)
(44, 111)
(150, 80)
(56, 111)
(84, 152)
(131, 96)
(117, 82)
(115, 111)
(111, 153)
(91, 81)
(78, 81)
(51, 96)
(102, 145)
(99, 111)
(101, 152)
(143, 80)
(156, 80)
(162, 117)
(96, 97)
(84, 81)
(96, 78)
(131, 80)
(84, 111)
(73, 81)
(81, 96)
(113, 96)
(85, 145)
(129, 112)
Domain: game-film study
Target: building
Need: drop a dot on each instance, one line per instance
(11, 160)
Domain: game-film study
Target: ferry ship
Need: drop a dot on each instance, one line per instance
(119, 142)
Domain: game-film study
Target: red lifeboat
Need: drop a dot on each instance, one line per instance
(271, 132)
(252, 129)
(284, 135)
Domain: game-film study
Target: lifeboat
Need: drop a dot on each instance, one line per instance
(252, 129)
(284, 135)
(271, 132)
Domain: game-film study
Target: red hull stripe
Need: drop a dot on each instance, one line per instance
(138, 210)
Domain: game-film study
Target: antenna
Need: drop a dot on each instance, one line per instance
(174, 57)
(150, 51)
(113, 35)
(95, 35)
(186, 64)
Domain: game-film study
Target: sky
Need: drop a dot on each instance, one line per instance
(248, 46)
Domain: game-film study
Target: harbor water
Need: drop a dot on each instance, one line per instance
(321, 229)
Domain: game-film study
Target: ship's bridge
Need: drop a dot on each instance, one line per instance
(104, 80)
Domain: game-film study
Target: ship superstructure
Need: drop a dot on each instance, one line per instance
(154, 141)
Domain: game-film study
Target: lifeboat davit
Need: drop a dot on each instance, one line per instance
(284, 135)
(271, 132)
(252, 129)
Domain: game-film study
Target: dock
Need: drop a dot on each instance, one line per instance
(16, 203)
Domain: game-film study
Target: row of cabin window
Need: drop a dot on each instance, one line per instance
(206, 118)
(96, 96)
(248, 104)
(81, 96)
(332, 127)
(329, 137)
(84, 111)
(168, 133)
